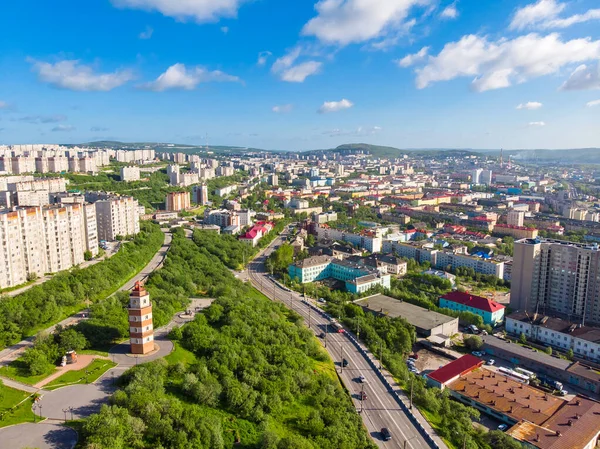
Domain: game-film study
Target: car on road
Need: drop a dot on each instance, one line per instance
(344, 363)
(363, 396)
(322, 300)
(385, 434)
(340, 331)
(503, 427)
(362, 379)
(322, 335)
(477, 353)
(491, 362)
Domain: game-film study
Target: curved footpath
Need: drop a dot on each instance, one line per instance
(82, 400)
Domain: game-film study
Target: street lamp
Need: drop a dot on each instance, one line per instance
(86, 376)
(65, 410)
(71, 410)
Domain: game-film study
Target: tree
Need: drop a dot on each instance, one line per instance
(522, 338)
(88, 255)
(570, 354)
(36, 361)
(310, 240)
(473, 342)
(71, 340)
(548, 350)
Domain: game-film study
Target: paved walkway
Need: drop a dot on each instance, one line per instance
(83, 360)
(40, 436)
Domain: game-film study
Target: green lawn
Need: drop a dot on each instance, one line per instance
(9, 399)
(180, 354)
(96, 369)
(93, 352)
(19, 372)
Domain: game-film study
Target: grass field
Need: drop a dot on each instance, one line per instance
(17, 370)
(180, 354)
(95, 369)
(9, 399)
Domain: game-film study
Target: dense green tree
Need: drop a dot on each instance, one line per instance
(473, 342)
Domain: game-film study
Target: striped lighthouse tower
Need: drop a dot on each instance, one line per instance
(141, 330)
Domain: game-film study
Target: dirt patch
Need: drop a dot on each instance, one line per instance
(429, 361)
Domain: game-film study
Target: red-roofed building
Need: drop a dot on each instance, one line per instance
(453, 370)
(257, 232)
(491, 311)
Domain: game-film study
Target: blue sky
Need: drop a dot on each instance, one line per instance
(297, 75)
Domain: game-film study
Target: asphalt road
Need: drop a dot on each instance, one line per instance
(380, 409)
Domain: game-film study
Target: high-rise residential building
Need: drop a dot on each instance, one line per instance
(39, 240)
(476, 176)
(116, 215)
(554, 277)
(486, 177)
(141, 328)
(515, 218)
(130, 173)
(200, 194)
(177, 201)
(273, 180)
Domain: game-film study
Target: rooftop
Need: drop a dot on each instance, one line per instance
(573, 426)
(506, 396)
(477, 302)
(587, 333)
(313, 261)
(417, 316)
(459, 367)
(531, 354)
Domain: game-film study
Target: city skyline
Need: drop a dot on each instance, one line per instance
(408, 74)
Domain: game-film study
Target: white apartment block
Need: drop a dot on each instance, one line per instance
(369, 242)
(115, 215)
(39, 240)
(130, 173)
(557, 333)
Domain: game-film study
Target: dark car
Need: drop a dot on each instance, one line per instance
(363, 396)
(385, 434)
(322, 335)
(344, 363)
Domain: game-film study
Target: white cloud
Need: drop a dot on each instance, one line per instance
(197, 10)
(224, 30)
(409, 60)
(98, 129)
(545, 14)
(37, 119)
(537, 124)
(335, 106)
(344, 22)
(499, 64)
(591, 104)
(178, 76)
(63, 128)
(70, 74)
(288, 70)
(449, 12)
(585, 77)
(530, 105)
(5, 105)
(262, 57)
(282, 108)
(536, 13)
(147, 33)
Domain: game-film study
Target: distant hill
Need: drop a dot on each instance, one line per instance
(168, 147)
(391, 152)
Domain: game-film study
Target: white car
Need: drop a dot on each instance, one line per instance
(491, 362)
(477, 354)
(362, 379)
(502, 427)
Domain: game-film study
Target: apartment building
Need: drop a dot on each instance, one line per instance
(200, 194)
(517, 232)
(584, 341)
(516, 217)
(115, 215)
(221, 217)
(130, 173)
(39, 240)
(554, 277)
(490, 311)
(366, 239)
(177, 201)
